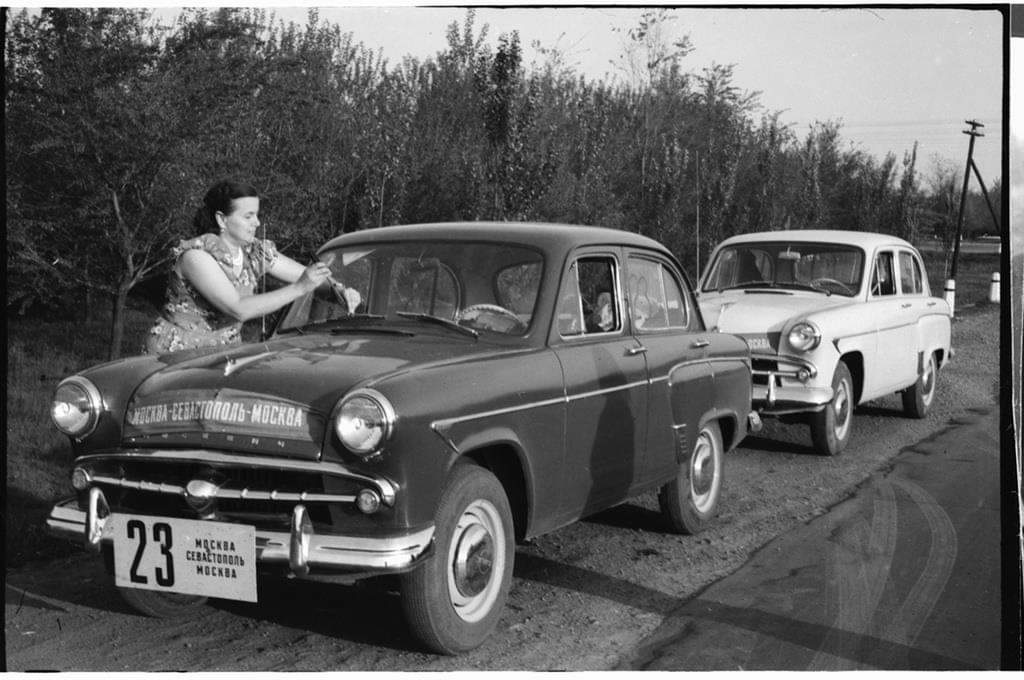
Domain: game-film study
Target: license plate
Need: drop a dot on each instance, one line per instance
(184, 556)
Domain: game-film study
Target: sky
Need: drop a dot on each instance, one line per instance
(891, 76)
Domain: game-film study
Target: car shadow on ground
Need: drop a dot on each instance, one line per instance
(588, 582)
(629, 516)
(368, 612)
(770, 445)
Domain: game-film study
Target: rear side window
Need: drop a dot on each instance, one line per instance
(910, 274)
(883, 277)
(656, 300)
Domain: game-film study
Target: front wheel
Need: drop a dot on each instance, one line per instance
(830, 427)
(690, 500)
(453, 601)
(163, 605)
(917, 399)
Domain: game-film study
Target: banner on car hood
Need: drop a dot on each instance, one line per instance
(224, 410)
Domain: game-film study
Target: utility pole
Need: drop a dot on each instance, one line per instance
(698, 215)
(971, 165)
(972, 133)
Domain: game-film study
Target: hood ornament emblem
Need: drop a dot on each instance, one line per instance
(233, 365)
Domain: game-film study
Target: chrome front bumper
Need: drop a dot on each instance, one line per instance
(301, 549)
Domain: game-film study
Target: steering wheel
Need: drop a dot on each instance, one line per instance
(473, 314)
(827, 280)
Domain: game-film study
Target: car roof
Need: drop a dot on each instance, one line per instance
(865, 239)
(540, 234)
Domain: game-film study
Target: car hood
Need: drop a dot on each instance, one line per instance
(753, 312)
(272, 397)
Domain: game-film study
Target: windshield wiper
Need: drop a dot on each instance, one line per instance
(748, 284)
(447, 323)
(302, 330)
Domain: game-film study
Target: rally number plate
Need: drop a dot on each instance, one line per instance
(184, 556)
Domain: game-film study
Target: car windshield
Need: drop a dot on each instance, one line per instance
(489, 287)
(826, 267)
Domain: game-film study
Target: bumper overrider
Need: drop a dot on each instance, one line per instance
(781, 385)
(302, 549)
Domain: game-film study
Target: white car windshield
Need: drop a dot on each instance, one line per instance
(825, 267)
(489, 287)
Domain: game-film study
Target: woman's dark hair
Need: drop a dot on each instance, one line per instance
(218, 199)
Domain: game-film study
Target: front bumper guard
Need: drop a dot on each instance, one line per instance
(300, 548)
(775, 398)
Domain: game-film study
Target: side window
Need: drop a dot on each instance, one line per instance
(910, 274)
(656, 300)
(883, 278)
(588, 302)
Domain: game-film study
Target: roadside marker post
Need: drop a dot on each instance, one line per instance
(950, 295)
(993, 288)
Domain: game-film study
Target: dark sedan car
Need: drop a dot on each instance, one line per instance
(497, 381)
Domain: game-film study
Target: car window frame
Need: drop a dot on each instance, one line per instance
(686, 293)
(915, 262)
(893, 271)
(570, 265)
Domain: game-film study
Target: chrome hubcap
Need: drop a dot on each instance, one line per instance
(476, 561)
(703, 473)
(928, 381)
(841, 406)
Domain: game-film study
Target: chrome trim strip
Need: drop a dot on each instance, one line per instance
(387, 488)
(240, 494)
(326, 551)
(607, 390)
(448, 422)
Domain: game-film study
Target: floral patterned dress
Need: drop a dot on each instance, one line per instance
(188, 321)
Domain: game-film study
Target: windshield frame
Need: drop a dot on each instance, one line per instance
(519, 254)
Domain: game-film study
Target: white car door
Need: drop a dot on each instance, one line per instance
(894, 365)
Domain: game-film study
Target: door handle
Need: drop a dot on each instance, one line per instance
(904, 305)
(932, 304)
(697, 344)
(633, 351)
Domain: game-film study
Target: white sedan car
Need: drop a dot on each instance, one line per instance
(833, 319)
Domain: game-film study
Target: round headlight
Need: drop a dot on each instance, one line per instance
(804, 336)
(364, 422)
(76, 407)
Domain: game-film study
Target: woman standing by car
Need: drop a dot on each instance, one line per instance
(211, 288)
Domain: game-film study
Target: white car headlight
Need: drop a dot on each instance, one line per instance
(76, 407)
(364, 421)
(804, 336)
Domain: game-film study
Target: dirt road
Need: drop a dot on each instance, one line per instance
(582, 597)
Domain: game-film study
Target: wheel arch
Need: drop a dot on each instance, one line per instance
(728, 426)
(854, 361)
(505, 461)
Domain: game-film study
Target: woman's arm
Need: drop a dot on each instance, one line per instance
(285, 268)
(203, 272)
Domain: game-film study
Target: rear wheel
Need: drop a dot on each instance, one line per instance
(830, 427)
(163, 605)
(453, 601)
(690, 500)
(918, 398)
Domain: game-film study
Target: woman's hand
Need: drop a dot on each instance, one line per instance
(314, 275)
